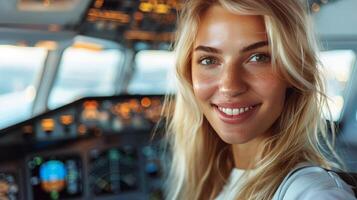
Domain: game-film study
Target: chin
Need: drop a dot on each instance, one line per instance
(234, 138)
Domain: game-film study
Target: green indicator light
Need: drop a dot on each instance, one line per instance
(37, 160)
(113, 154)
(54, 195)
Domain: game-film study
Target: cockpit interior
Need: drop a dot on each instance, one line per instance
(82, 87)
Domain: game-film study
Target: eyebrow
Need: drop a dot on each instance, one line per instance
(255, 46)
(244, 49)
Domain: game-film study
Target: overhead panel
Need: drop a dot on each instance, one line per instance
(151, 22)
(42, 13)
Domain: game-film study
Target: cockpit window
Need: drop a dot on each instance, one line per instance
(85, 72)
(337, 66)
(152, 73)
(20, 69)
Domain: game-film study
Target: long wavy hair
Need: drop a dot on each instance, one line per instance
(201, 162)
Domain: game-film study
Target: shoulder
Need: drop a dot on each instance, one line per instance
(311, 182)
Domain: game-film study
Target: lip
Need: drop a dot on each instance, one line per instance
(235, 105)
(235, 119)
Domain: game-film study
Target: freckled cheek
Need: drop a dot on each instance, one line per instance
(270, 87)
(203, 87)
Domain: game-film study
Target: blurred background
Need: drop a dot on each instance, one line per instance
(82, 85)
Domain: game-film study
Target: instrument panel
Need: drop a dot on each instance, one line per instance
(55, 177)
(95, 148)
(9, 187)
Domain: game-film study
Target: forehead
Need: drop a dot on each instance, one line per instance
(218, 24)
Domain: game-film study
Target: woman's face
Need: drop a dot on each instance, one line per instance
(233, 80)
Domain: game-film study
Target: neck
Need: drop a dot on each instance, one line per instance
(245, 155)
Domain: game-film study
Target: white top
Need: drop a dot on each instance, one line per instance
(309, 183)
(233, 185)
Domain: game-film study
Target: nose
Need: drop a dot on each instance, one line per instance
(232, 81)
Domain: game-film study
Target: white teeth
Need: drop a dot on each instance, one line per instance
(229, 111)
(234, 111)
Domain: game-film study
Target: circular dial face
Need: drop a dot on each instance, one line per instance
(55, 177)
(9, 188)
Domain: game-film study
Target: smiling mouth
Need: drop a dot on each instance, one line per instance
(235, 114)
(232, 111)
(235, 111)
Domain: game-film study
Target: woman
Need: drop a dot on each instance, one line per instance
(246, 123)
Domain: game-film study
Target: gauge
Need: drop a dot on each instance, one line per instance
(9, 188)
(114, 170)
(154, 168)
(55, 177)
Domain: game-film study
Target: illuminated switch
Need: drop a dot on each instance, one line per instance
(66, 119)
(27, 131)
(146, 102)
(48, 125)
(146, 6)
(162, 8)
(152, 168)
(82, 129)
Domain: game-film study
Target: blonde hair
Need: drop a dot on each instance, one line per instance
(201, 161)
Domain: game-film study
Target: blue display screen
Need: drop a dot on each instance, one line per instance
(52, 171)
(56, 177)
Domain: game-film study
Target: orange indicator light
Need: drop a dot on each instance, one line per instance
(66, 119)
(48, 125)
(146, 102)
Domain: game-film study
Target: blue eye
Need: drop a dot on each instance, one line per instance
(260, 58)
(208, 61)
